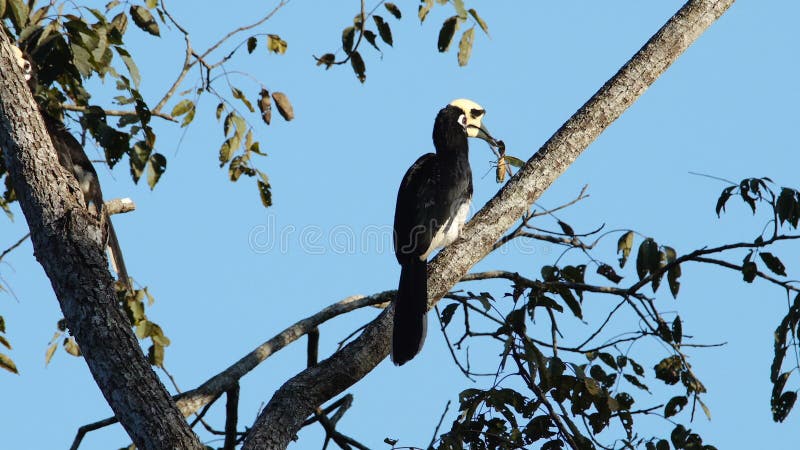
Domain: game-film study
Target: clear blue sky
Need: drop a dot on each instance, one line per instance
(727, 108)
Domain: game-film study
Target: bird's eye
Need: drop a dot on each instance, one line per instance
(462, 120)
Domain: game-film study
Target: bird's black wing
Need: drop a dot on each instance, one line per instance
(412, 215)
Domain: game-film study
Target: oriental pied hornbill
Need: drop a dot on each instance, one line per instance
(432, 206)
(73, 158)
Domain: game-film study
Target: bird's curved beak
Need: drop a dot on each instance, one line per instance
(484, 134)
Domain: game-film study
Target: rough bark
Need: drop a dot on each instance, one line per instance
(67, 242)
(298, 397)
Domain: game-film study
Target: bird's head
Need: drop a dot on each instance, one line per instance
(464, 116)
(471, 119)
(22, 62)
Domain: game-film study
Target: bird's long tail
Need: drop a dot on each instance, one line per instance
(116, 257)
(410, 307)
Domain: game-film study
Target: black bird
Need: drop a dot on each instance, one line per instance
(73, 158)
(432, 206)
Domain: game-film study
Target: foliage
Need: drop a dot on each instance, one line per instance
(577, 391)
(551, 391)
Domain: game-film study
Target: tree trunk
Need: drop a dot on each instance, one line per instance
(67, 242)
(298, 397)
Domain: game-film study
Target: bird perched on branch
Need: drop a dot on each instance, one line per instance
(73, 158)
(432, 206)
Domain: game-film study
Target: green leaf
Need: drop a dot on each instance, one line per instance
(156, 166)
(677, 329)
(370, 37)
(358, 66)
(480, 21)
(265, 191)
(238, 94)
(609, 360)
(4, 342)
(424, 9)
(635, 381)
(648, 253)
(2, 325)
(460, 10)
(447, 313)
(2, 7)
(773, 263)
(465, 46)
(152, 3)
(383, 29)
(252, 42)
(669, 369)
(8, 364)
(675, 405)
(749, 271)
(624, 246)
(674, 272)
(571, 302)
(447, 32)
(144, 20)
(133, 70)
(348, 38)
(608, 272)
(182, 107)
(723, 198)
(780, 406)
(276, 45)
(19, 16)
(393, 10)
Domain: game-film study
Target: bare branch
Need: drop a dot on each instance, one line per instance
(301, 395)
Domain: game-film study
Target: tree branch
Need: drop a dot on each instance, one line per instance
(300, 396)
(67, 241)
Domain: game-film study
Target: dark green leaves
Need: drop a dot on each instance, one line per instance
(358, 66)
(773, 263)
(446, 33)
(393, 10)
(788, 207)
(669, 369)
(383, 29)
(723, 198)
(647, 260)
(156, 166)
(675, 405)
(144, 20)
(348, 39)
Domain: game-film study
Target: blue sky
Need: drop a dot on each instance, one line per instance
(727, 107)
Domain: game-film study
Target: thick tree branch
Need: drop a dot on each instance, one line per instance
(299, 397)
(67, 241)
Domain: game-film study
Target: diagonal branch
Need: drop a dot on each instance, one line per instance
(299, 397)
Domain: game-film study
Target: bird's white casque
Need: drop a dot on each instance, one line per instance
(472, 121)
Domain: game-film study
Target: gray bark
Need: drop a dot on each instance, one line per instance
(67, 242)
(298, 397)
